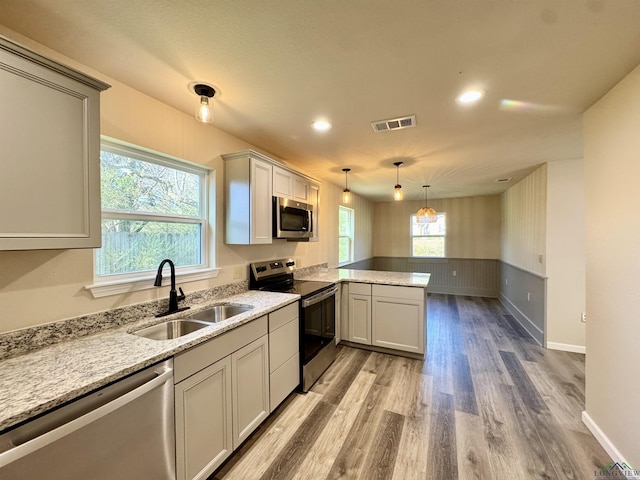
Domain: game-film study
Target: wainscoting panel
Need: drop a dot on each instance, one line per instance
(457, 276)
(524, 294)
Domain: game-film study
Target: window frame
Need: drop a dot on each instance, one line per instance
(104, 285)
(412, 236)
(351, 235)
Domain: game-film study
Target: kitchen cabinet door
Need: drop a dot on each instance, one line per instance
(250, 388)
(398, 318)
(300, 189)
(359, 318)
(203, 421)
(282, 182)
(261, 206)
(50, 162)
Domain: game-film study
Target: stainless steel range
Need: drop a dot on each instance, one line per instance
(317, 314)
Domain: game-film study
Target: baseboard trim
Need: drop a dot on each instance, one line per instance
(522, 319)
(566, 347)
(602, 439)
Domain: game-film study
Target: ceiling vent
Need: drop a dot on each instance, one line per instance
(394, 124)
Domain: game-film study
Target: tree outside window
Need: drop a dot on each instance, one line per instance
(345, 235)
(428, 239)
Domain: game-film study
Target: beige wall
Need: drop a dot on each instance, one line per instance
(473, 227)
(38, 287)
(565, 247)
(524, 222)
(612, 171)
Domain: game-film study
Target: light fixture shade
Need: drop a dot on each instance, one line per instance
(397, 193)
(204, 112)
(346, 193)
(426, 215)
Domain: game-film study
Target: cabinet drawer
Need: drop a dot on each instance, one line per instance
(283, 343)
(410, 293)
(187, 363)
(282, 316)
(284, 380)
(360, 288)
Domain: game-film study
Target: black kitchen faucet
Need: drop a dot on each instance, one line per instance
(173, 295)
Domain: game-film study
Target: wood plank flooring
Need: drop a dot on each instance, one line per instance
(486, 403)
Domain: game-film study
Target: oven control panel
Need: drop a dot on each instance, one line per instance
(261, 270)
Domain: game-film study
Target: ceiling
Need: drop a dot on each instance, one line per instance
(279, 65)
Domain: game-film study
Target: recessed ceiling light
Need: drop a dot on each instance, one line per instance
(321, 125)
(470, 96)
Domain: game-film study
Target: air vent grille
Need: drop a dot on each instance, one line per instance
(394, 124)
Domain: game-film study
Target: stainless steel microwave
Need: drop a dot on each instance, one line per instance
(292, 219)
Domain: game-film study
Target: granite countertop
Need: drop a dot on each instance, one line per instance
(35, 382)
(337, 275)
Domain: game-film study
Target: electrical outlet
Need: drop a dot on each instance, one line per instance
(454, 273)
(298, 262)
(237, 273)
(583, 317)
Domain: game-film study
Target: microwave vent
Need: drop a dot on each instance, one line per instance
(394, 124)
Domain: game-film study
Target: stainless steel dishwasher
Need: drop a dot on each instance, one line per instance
(122, 431)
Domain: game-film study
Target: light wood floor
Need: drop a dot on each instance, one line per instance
(487, 403)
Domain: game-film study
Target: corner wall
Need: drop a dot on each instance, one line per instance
(522, 278)
(612, 171)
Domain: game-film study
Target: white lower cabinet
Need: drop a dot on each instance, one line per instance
(226, 387)
(250, 388)
(387, 316)
(203, 421)
(398, 318)
(221, 396)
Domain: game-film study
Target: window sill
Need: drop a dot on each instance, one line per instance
(115, 287)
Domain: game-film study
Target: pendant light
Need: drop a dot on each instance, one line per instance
(397, 193)
(426, 214)
(204, 112)
(346, 193)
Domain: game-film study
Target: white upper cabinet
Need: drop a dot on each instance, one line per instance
(251, 181)
(50, 153)
(248, 206)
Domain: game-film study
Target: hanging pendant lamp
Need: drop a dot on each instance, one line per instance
(346, 193)
(426, 214)
(397, 193)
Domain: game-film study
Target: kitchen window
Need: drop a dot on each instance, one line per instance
(153, 207)
(345, 235)
(428, 239)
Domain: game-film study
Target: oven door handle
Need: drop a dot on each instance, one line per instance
(319, 297)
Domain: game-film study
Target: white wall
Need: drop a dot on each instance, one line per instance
(612, 175)
(39, 287)
(565, 247)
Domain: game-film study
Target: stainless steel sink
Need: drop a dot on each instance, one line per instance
(171, 329)
(220, 313)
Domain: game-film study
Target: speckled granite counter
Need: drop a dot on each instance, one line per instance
(38, 381)
(406, 279)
